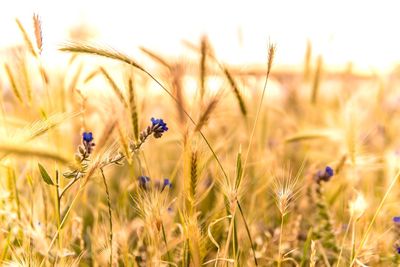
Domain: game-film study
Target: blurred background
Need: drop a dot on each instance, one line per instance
(359, 32)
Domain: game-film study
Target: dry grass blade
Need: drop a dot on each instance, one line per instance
(44, 75)
(193, 175)
(13, 83)
(91, 75)
(203, 58)
(156, 57)
(206, 114)
(27, 40)
(124, 142)
(30, 151)
(114, 87)
(317, 81)
(40, 127)
(100, 51)
(133, 110)
(75, 78)
(38, 32)
(236, 91)
(306, 136)
(177, 73)
(271, 57)
(23, 66)
(107, 132)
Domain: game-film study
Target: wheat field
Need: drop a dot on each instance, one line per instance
(114, 161)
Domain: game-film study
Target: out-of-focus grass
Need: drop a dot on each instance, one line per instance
(239, 178)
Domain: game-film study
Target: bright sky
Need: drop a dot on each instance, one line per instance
(365, 32)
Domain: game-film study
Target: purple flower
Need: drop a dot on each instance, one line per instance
(329, 171)
(158, 126)
(144, 182)
(87, 137)
(87, 141)
(324, 175)
(166, 183)
(396, 219)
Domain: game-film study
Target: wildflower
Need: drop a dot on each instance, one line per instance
(87, 140)
(87, 136)
(324, 175)
(396, 219)
(158, 127)
(166, 183)
(144, 182)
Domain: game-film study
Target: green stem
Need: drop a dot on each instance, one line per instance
(58, 208)
(109, 215)
(228, 239)
(166, 243)
(248, 233)
(67, 187)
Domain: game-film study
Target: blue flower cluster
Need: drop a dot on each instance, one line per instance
(87, 136)
(145, 183)
(87, 141)
(324, 175)
(158, 126)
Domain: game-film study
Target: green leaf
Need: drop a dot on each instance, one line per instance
(239, 170)
(46, 177)
(306, 248)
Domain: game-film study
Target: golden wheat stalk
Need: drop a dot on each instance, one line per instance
(133, 109)
(100, 51)
(91, 75)
(39, 127)
(38, 32)
(114, 87)
(203, 59)
(25, 76)
(13, 83)
(30, 151)
(236, 91)
(206, 114)
(156, 57)
(27, 40)
(317, 80)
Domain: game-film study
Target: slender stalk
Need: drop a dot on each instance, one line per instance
(353, 240)
(166, 243)
(343, 240)
(365, 236)
(58, 199)
(270, 59)
(14, 180)
(234, 239)
(228, 239)
(248, 233)
(280, 242)
(109, 215)
(67, 186)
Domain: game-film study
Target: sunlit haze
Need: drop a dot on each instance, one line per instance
(362, 32)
